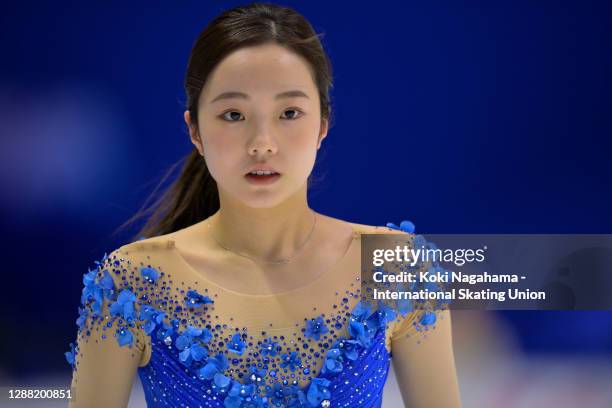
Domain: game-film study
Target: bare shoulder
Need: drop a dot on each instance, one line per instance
(165, 241)
(375, 229)
(364, 228)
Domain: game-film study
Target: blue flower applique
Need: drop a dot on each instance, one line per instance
(152, 318)
(360, 332)
(362, 310)
(315, 328)
(296, 397)
(220, 383)
(256, 376)
(276, 394)
(236, 345)
(167, 332)
(361, 328)
(124, 306)
(149, 274)
(364, 324)
(108, 286)
(349, 347)
(383, 315)
(124, 336)
(428, 318)
(291, 360)
(194, 299)
(92, 292)
(190, 345)
(102, 261)
(191, 334)
(333, 361)
(405, 226)
(419, 242)
(404, 306)
(239, 394)
(318, 391)
(269, 348)
(192, 352)
(213, 370)
(71, 355)
(83, 313)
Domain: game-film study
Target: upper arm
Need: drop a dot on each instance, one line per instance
(422, 349)
(106, 359)
(424, 365)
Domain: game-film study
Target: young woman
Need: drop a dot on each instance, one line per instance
(238, 294)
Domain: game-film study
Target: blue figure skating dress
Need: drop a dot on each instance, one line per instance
(201, 345)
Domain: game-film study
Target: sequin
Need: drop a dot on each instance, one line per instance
(200, 359)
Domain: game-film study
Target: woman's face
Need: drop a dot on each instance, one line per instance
(276, 123)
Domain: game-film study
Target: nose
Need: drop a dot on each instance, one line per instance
(261, 144)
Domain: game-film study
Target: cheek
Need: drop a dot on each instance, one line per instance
(304, 149)
(220, 152)
(305, 134)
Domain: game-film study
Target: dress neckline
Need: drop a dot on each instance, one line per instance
(198, 277)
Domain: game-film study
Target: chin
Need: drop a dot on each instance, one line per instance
(258, 199)
(264, 197)
(269, 201)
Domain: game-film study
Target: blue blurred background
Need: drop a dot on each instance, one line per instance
(466, 117)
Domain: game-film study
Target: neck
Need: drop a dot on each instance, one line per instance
(265, 234)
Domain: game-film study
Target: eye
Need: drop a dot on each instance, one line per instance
(296, 112)
(224, 117)
(234, 116)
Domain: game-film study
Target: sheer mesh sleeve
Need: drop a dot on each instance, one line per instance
(414, 323)
(415, 317)
(110, 343)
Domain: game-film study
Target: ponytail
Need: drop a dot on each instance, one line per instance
(193, 197)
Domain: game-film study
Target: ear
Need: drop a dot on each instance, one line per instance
(194, 135)
(323, 132)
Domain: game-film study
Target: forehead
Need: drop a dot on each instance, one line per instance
(265, 69)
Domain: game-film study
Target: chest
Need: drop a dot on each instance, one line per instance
(217, 343)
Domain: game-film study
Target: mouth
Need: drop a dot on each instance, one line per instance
(262, 177)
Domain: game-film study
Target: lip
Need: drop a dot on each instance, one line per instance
(261, 180)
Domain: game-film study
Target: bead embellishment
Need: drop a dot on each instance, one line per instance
(200, 359)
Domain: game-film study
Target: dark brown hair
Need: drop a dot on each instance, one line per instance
(193, 196)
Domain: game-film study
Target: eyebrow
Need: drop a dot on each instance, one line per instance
(232, 94)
